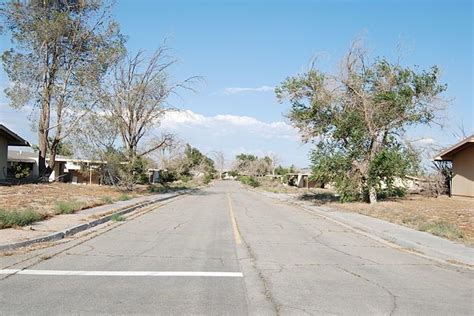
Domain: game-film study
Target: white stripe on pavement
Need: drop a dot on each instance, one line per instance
(125, 273)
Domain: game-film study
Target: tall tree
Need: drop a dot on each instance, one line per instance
(62, 50)
(357, 119)
(198, 162)
(252, 165)
(219, 159)
(135, 99)
(274, 161)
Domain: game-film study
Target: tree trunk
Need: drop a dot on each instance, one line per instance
(372, 195)
(43, 132)
(53, 151)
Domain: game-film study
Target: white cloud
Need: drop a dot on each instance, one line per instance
(236, 90)
(236, 134)
(228, 124)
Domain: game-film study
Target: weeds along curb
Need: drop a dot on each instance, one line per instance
(81, 227)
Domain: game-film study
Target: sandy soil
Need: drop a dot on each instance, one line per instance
(44, 197)
(418, 212)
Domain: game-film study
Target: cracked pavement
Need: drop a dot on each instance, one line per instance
(293, 263)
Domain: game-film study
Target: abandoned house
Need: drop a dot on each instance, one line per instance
(462, 157)
(8, 138)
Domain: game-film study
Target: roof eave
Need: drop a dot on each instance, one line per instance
(448, 153)
(17, 140)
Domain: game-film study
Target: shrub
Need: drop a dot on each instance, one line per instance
(168, 176)
(185, 178)
(107, 199)
(157, 189)
(443, 229)
(391, 192)
(68, 207)
(18, 218)
(117, 218)
(248, 180)
(124, 197)
(207, 179)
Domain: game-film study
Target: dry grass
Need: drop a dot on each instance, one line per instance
(275, 186)
(452, 218)
(19, 203)
(48, 199)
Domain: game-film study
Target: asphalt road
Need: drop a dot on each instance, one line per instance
(234, 252)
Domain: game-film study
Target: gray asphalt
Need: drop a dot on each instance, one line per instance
(293, 263)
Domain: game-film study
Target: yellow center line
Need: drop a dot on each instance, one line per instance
(237, 238)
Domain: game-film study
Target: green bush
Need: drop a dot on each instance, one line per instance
(157, 189)
(185, 178)
(18, 218)
(248, 180)
(391, 192)
(107, 199)
(68, 207)
(124, 197)
(168, 176)
(443, 229)
(207, 179)
(117, 218)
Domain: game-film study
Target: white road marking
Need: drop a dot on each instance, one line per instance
(125, 273)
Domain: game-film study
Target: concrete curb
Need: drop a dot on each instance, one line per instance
(81, 227)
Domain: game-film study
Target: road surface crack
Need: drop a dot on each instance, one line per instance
(393, 297)
(177, 226)
(343, 252)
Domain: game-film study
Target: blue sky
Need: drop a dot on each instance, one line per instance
(244, 48)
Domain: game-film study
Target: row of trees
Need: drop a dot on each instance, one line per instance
(357, 118)
(252, 165)
(69, 65)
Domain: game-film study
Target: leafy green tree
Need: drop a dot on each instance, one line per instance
(62, 50)
(248, 164)
(199, 162)
(243, 161)
(357, 119)
(64, 148)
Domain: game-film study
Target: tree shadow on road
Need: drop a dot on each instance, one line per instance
(201, 192)
(319, 198)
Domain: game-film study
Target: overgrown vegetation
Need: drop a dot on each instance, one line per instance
(124, 197)
(14, 218)
(443, 229)
(117, 218)
(252, 165)
(358, 117)
(107, 200)
(249, 180)
(69, 207)
(61, 53)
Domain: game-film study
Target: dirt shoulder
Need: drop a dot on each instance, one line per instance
(21, 205)
(451, 218)
(44, 198)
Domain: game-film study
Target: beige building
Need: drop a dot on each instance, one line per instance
(76, 171)
(462, 157)
(8, 138)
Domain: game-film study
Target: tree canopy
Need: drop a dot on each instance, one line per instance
(357, 119)
(62, 50)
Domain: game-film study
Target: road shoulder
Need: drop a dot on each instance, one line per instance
(61, 226)
(407, 239)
